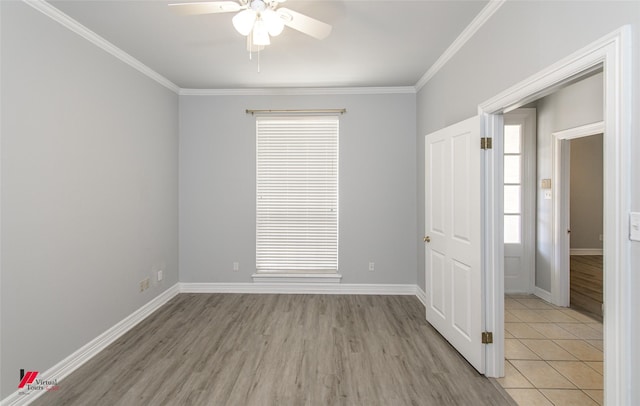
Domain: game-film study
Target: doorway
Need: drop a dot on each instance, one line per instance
(611, 54)
(585, 223)
(554, 355)
(579, 217)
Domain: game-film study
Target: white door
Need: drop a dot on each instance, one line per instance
(519, 200)
(453, 273)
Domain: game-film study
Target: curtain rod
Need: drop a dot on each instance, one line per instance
(315, 111)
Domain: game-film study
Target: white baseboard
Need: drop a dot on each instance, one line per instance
(543, 294)
(85, 353)
(421, 295)
(299, 288)
(586, 251)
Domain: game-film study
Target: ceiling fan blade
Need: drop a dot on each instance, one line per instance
(207, 7)
(305, 24)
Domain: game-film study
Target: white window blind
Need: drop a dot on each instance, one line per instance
(297, 195)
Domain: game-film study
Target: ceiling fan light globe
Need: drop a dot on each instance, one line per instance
(243, 21)
(274, 23)
(260, 33)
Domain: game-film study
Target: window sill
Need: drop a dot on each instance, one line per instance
(296, 277)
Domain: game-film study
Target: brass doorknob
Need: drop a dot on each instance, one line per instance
(427, 238)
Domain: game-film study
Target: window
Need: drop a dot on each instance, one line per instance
(297, 195)
(512, 183)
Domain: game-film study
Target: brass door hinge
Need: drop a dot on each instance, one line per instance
(486, 143)
(487, 337)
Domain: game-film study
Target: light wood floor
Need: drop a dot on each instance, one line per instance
(236, 349)
(586, 284)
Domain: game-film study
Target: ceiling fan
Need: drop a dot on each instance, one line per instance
(258, 20)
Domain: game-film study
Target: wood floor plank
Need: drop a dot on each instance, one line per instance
(237, 349)
(586, 284)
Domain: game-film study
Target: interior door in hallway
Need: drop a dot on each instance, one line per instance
(519, 200)
(453, 273)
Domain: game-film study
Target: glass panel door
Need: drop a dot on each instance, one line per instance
(512, 184)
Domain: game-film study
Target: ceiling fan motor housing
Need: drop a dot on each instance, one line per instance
(258, 5)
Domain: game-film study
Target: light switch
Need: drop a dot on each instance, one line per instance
(634, 226)
(545, 184)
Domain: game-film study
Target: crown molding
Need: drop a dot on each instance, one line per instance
(73, 25)
(68, 22)
(482, 17)
(299, 91)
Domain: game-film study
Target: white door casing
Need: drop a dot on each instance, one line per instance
(612, 53)
(453, 272)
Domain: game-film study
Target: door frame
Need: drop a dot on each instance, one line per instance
(560, 281)
(612, 54)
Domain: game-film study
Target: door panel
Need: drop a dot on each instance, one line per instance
(461, 289)
(453, 271)
(437, 281)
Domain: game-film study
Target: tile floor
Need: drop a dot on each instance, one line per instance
(553, 354)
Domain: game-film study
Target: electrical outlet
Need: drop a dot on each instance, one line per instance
(160, 275)
(236, 266)
(144, 284)
(372, 266)
(600, 237)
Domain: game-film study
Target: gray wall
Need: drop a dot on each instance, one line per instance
(575, 105)
(586, 192)
(89, 191)
(522, 38)
(377, 185)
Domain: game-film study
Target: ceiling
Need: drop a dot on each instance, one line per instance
(373, 43)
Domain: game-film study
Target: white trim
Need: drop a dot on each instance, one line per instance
(586, 251)
(299, 288)
(421, 295)
(542, 294)
(581, 131)
(613, 53)
(561, 193)
(92, 348)
(482, 17)
(68, 22)
(548, 80)
(298, 91)
(296, 278)
(493, 244)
